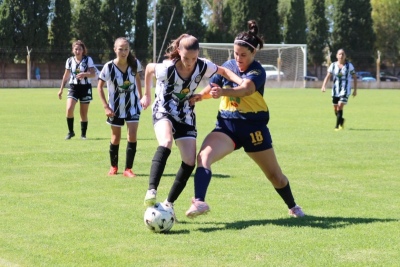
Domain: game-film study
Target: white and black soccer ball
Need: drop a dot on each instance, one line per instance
(159, 218)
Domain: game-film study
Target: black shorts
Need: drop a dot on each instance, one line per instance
(336, 99)
(81, 92)
(252, 136)
(179, 130)
(119, 122)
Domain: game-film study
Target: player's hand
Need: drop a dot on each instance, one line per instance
(215, 91)
(323, 89)
(354, 93)
(60, 94)
(145, 101)
(195, 98)
(109, 112)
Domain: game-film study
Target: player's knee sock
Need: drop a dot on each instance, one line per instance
(130, 154)
(158, 166)
(84, 125)
(181, 179)
(114, 155)
(339, 118)
(202, 179)
(286, 195)
(70, 123)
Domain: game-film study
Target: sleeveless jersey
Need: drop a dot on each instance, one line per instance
(341, 78)
(75, 68)
(123, 94)
(173, 92)
(252, 107)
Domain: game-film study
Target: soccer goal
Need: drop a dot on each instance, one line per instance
(289, 60)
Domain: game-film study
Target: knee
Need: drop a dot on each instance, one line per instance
(278, 180)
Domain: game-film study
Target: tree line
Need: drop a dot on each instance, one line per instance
(361, 27)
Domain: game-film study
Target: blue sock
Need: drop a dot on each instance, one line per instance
(202, 179)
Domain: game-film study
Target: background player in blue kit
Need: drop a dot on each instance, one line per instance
(78, 71)
(124, 92)
(241, 122)
(173, 116)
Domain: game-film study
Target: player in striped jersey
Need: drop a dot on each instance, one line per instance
(78, 71)
(241, 122)
(342, 72)
(124, 105)
(173, 116)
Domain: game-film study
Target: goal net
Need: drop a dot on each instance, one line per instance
(290, 60)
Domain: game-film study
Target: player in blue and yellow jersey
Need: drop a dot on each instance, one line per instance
(173, 116)
(241, 122)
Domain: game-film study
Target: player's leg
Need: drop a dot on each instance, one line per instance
(71, 102)
(84, 109)
(132, 127)
(116, 125)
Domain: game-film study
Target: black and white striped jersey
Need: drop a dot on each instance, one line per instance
(173, 92)
(123, 94)
(341, 78)
(75, 68)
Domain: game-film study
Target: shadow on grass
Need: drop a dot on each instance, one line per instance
(174, 174)
(308, 221)
(373, 130)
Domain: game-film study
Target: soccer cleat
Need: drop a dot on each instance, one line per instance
(113, 170)
(171, 205)
(150, 198)
(129, 173)
(341, 126)
(296, 211)
(69, 136)
(338, 129)
(197, 208)
(83, 137)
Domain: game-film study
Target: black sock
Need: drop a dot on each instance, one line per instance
(158, 166)
(130, 154)
(84, 125)
(339, 118)
(202, 179)
(114, 155)
(70, 123)
(286, 195)
(181, 179)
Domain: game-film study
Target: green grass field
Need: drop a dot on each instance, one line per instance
(58, 207)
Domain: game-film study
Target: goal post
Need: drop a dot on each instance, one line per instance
(290, 59)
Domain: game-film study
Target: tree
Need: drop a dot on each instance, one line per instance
(165, 10)
(192, 19)
(295, 23)
(268, 21)
(218, 28)
(6, 32)
(317, 36)
(142, 31)
(352, 31)
(386, 17)
(117, 21)
(60, 31)
(87, 27)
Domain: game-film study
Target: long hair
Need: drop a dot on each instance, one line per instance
(131, 59)
(185, 41)
(250, 39)
(81, 44)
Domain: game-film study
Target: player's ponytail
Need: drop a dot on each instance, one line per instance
(250, 39)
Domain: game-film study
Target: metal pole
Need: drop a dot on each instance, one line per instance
(154, 30)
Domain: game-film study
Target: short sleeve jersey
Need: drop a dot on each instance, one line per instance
(251, 107)
(123, 94)
(75, 68)
(341, 78)
(173, 92)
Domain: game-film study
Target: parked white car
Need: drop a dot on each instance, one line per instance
(272, 72)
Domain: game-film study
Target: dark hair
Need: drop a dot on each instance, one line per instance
(185, 41)
(131, 59)
(250, 39)
(81, 44)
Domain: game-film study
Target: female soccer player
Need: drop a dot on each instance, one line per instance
(342, 71)
(173, 116)
(241, 122)
(124, 92)
(78, 71)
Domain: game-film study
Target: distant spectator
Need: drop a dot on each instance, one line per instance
(37, 73)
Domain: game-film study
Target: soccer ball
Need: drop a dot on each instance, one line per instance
(159, 218)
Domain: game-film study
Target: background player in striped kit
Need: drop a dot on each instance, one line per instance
(342, 71)
(124, 92)
(78, 71)
(241, 122)
(173, 116)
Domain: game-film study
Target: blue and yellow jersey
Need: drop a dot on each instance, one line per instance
(252, 107)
